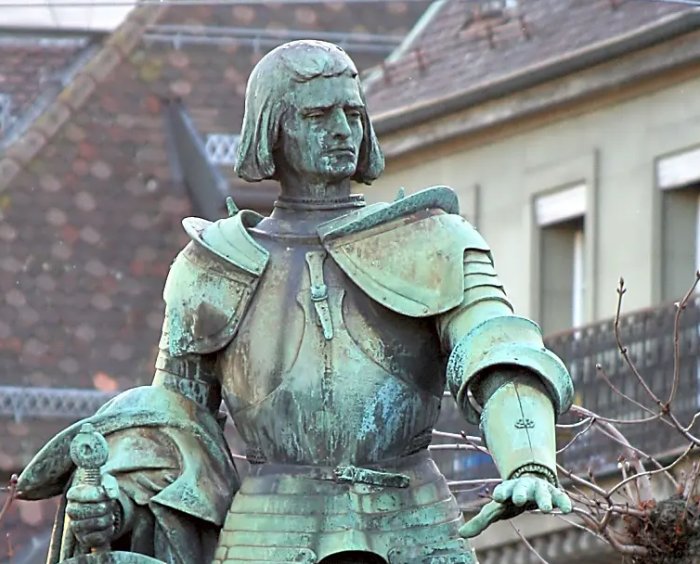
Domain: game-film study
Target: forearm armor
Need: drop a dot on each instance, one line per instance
(517, 423)
(192, 375)
(483, 333)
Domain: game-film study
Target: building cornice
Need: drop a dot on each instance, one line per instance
(485, 109)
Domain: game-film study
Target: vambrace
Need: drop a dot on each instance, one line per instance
(518, 427)
(508, 341)
(193, 376)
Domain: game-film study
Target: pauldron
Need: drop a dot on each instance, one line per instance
(408, 255)
(210, 285)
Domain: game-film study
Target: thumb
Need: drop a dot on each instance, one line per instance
(489, 513)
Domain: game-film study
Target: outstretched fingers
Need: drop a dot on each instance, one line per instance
(561, 500)
(543, 497)
(503, 491)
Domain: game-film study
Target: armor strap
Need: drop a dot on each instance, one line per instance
(349, 474)
(319, 291)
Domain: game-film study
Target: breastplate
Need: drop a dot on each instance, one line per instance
(321, 374)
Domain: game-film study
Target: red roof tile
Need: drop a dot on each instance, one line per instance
(91, 204)
(31, 66)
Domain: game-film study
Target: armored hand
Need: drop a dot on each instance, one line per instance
(92, 506)
(518, 425)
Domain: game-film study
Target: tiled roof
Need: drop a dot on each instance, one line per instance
(89, 222)
(204, 54)
(91, 199)
(462, 48)
(32, 66)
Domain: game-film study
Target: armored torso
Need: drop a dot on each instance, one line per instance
(320, 373)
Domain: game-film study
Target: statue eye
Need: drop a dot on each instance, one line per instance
(315, 114)
(353, 112)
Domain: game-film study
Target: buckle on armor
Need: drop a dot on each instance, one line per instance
(354, 475)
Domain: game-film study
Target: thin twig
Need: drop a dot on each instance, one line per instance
(572, 425)
(11, 494)
(582, 527)
(477, 447)
(603, 374)
(632, 550)
(527, 543)
(574, 478)
(474, 482)
(455, 436)
(453, 446)
(652, 472)
(583, 431)
(624, 351)
(680, 308)
(690, 485)
(692, 421)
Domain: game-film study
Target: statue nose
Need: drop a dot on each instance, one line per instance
(341, 127)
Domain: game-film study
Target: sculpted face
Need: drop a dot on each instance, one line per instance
(322, 129)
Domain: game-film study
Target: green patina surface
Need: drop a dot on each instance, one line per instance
(330, 330)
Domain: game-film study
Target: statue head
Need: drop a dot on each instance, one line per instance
(304, 110)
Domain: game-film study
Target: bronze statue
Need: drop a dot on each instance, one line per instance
(330, 330)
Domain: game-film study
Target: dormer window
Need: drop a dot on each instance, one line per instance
(494, 8)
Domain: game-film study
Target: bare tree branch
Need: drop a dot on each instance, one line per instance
(680, 308)
(527, 543)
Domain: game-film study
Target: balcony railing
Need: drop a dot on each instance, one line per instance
(649, 337)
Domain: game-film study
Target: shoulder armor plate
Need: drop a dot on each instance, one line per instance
(210, 284)
(440, 197)
(409, 255)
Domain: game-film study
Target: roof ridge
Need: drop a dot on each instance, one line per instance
(77, 92)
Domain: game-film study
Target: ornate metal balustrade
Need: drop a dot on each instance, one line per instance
(62, 403)
(649, 337)
(647, 334)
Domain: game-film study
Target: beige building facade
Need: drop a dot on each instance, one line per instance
(571, 133)
(574, 182)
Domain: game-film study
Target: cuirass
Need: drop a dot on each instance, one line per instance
(319, 373)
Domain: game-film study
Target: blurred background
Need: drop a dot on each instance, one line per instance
(570, 130)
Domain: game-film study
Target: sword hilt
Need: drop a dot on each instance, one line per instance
(89, 451)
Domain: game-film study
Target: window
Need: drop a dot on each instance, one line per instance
(679, 181)
(221, 148)
(680, 245)
(561, 220)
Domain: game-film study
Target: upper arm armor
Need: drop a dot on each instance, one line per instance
(409, 255)
(506, 340)
(210, 285)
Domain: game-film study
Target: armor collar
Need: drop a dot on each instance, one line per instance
(299, 218)
(309, 204)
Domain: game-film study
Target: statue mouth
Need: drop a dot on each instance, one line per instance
(342, 151)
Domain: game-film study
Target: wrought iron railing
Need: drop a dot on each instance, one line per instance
(649, 337)
(21, 402)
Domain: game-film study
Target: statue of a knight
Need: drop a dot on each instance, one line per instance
(330, 330)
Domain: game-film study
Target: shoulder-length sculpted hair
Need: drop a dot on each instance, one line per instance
(266, 101)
